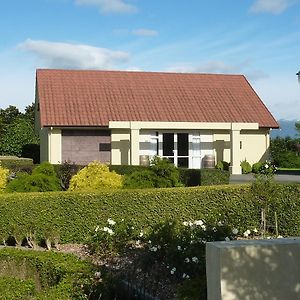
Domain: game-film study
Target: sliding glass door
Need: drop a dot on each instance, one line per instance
(175, 147)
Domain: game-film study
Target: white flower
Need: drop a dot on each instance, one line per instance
(235, 231)
(191, 223)
(280, 237)
(195, 259)
(266, 166)
(106, 229)
(159, 246)
(153, 249)
(149, 242)
(185, 223)
(220, 223)
(185, 276)
(187, 260)
(111, 222)
(246, 233)
(203, 227)
(141, 233)
(255, 230)
(179, 248)
(227, 239)
(198, 222)
(173, 270)
(97, 228)
(97, 274)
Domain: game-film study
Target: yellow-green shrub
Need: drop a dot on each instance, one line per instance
(3, 178)
(95, 176)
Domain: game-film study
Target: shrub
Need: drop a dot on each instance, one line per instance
(73, 215)
(190, 177)
(222, 165)
(3, 178)
(42, 179)
(161, 174)
(16, 165)
(95, 176)
(213, 177)
(257, 167)
(112, 238)
(126, 169)
(140, 180)
(65, 172)
(246, 167)
(289, 160)
(167, 175)
(219, 165)
(59, 276)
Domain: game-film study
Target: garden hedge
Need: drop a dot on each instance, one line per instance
(17, 164)
(73, 215)
(189, 177)
(42, 275)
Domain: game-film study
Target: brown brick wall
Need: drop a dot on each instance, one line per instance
(83, 146)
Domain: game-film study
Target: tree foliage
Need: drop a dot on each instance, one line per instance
(285, 153)
(17, 131)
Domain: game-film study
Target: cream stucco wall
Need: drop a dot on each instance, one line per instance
(253, 269)
(120, 146)
(54, 146)
(254, 147)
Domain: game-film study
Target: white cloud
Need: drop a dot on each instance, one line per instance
(75, 56)
(109, 6)
(144, 32)
(271, 6)
(281, 95)
(219, 67)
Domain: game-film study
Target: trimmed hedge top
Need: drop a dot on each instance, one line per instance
(74, 215)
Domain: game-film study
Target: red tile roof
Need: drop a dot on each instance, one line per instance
(93, 98)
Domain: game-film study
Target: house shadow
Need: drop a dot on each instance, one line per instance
(261, 270)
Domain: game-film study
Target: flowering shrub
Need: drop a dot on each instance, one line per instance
(95, 176)
(176, 249)
(267, 169)
(112, 238)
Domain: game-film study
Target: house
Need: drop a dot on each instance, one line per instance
(122, 117)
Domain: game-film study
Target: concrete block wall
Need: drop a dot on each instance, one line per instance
(253, 269)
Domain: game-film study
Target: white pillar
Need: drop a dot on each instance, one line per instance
(54, 146)
(235, 156)
(134, 146)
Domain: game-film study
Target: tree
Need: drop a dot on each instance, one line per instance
(16, 136)
(9, 115)
(30, 113)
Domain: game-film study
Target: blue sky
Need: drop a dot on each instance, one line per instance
(258, 38)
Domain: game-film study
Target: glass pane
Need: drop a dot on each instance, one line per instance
(168, 144)
(196, 146)
(183, 144)
(183, 162)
